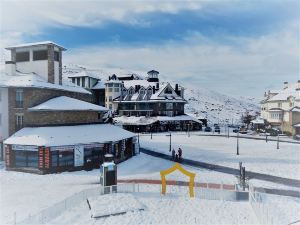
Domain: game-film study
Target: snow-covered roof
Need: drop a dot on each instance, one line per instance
(142, 120)
(292, 90)
(84, 73)
(36, 44)
(36, 81)
(99, 85)
(64, 103)
(275, 110)
(295, 109)
(134, 120)
(68, 135)
(178, 118)
(258, 121)
(142, 83)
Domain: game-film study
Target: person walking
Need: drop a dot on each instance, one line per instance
(180, 153)
(176, 157)
(173, 154)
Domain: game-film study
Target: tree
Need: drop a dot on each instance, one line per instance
(247, 118)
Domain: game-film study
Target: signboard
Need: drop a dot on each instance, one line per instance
(24, 148)
(78, 155)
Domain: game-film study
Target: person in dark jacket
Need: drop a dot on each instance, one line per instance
(179, 153)
(176, 157)
(173, 154)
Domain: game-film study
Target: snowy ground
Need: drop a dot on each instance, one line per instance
(18, 190)
(256, 155)
(168, 210)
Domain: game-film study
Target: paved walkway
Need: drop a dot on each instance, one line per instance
(229, 170)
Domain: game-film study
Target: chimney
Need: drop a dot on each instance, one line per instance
(10, 68)
(153, 89)
(285, 85)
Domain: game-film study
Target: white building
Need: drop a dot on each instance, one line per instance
(279, 107)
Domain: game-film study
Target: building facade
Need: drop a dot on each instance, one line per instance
(159, 104)
(279, 108)
(38, 100)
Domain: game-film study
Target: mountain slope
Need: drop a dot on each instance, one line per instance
(217, 107)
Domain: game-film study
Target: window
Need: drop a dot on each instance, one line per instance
(66, 158)
(117, 89)
(40, 55)
(169, 105)
(142, 91)
(22, 56)
(116, 85)
(19, 98)
(110, 89)
(110, 106)
(110, 98)
(26, 159)
(109, 85)
(19, 121)
(279, 104)
(78, 81)
(168, 91)
(83, 82)
(291, 104)
(56, 56)
(73, 80)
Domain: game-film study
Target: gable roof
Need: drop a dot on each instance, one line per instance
(64, 103)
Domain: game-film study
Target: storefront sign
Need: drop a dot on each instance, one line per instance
(78, 155)
(24, 148)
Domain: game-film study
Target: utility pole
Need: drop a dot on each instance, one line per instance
(237, 143)
(170, 144)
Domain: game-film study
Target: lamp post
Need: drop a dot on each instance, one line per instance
(151, 131)
(170, 144)
(188, 130)
(227, 130)
(237, 143)
(278, 141)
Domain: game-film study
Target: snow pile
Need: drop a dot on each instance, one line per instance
(113, 204)
(216, 107)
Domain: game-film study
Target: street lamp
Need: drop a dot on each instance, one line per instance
(170, 145)
(278, 141)
(237, 143)
(227, 130)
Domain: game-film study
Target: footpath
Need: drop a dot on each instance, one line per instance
(233, 171)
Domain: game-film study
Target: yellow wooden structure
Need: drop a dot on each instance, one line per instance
(177, 166)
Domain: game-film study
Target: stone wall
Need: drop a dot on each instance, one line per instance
(33, 97)
(51, 72)
(44, 118)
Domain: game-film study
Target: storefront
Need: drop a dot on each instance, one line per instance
(50, 157)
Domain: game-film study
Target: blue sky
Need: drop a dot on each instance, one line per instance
(236, 47)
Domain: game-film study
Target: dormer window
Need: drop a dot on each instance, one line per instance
(168, 91)
(142, 91)
(56, 56)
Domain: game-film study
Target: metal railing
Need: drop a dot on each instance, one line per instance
(260, 208)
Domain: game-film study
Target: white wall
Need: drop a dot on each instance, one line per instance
(4, 114)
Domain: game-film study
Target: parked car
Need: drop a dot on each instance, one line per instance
(235, 130)
(217, 129)
(207, 129)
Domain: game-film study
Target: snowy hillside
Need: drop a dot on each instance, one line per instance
(217, 107)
